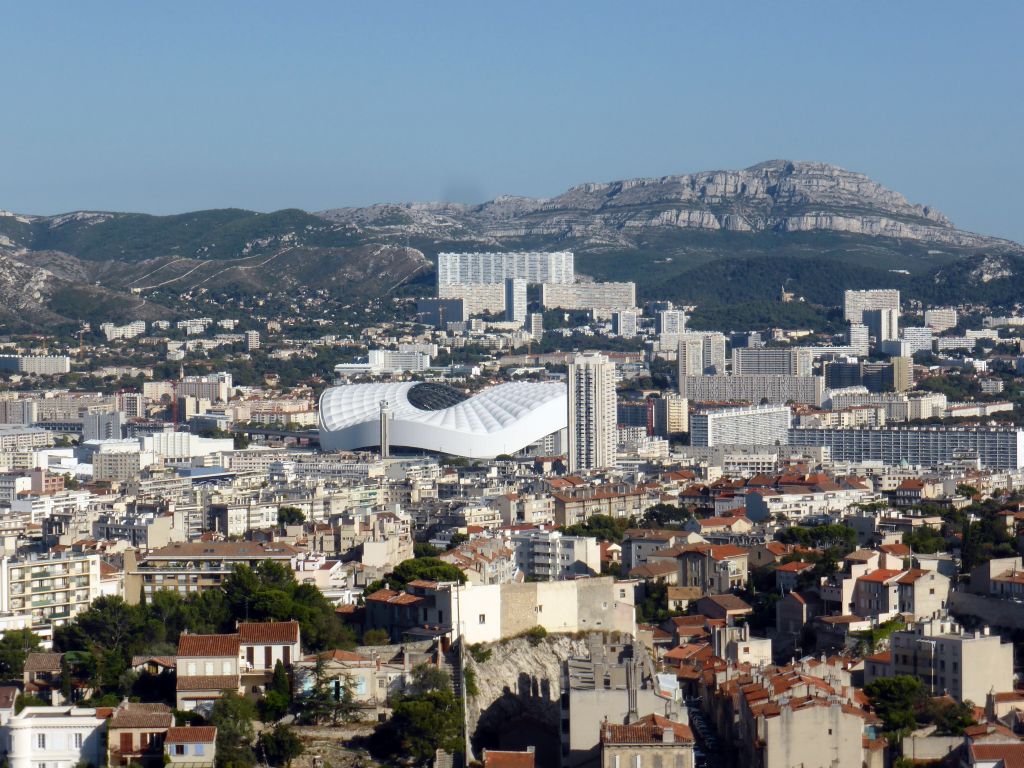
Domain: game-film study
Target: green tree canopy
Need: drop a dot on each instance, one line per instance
(280, 746)
(233, 716)
(15, 645)
(420, 724)
(895, 700)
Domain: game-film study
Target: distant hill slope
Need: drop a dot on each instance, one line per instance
(120, 259)
(719, 238)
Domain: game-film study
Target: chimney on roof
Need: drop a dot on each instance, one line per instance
(668, 735)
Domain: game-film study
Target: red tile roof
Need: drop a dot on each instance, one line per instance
(794, 567)
(494, 758)
(208, 645)
(1011, 754)
(195, 734)
(207, 683)
(269, 632)
(646, 730)
(138, 715)
(880, 576)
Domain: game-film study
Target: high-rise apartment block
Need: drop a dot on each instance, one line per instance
(624, 323)
(757, 425)
(670, 322)
(217, 387)
(495, 268)
(601, 298)
(252, 340)
(755, 389)
(941, 318)
(701, 353)
(855, 303)
(671, 415)
(883, 324)
(592, 413)
(515, 300)
(787, 362)
(40, 365)
(991, 447)
(859, 339)
(535, 325)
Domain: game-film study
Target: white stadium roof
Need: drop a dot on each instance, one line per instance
(435, 417)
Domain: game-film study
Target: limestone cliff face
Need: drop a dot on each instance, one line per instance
(776, 196)
(520, 681)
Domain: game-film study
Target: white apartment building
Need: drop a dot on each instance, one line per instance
(758, 388)
(757, 425)
(786, 362)
(625, 323)
(992, 447)
(918, 339)
(515, 300)
(54, 737)
(119, 461)
(701, 353)
(535, 325)
(129, 331)
(883, 323)
(600, 298)
(898, 406)
(592, 413)
(390, 361)
(940, 319)
(855, 303)
(531, 266)
(217, 387)
(40, 365)
(49, 589)
(670, 322)
(476, 298)
(252, 340)
(552, 556)
(859, 339)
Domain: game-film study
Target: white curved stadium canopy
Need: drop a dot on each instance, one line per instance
(434, 417)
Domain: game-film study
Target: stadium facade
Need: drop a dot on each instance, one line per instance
(438, 418)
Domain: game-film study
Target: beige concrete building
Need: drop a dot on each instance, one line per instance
(650, 741)
(196, 566)
(949, 660)
(616, 683)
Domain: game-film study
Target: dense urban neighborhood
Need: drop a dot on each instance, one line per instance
(525, 521)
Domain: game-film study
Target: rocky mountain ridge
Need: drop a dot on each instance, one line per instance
(712, 238)
(777, 196)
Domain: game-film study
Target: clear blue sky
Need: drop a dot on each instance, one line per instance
(175, 106)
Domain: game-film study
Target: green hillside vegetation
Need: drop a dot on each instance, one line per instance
(213, 234)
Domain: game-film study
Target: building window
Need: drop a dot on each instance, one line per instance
(198, 749)
(40, 741)
(179, 749)
(483, 618)
(77, 740)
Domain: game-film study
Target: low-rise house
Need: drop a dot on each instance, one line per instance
(135, 734)
(263, 644)
(372, 679)
(191, 746)
(206, 666)
(787, 575)
(726, 607)
(41, 675)
(716, 569)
